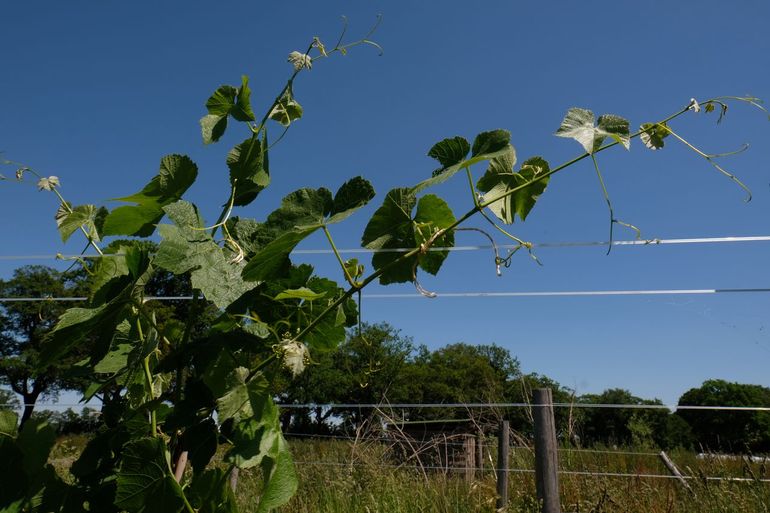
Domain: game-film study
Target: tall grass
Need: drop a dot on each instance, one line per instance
(373, 477)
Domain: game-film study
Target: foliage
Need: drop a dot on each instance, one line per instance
(172, 391)
(728, 430)
(23, 326)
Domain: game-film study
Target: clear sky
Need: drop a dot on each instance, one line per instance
(96, 93)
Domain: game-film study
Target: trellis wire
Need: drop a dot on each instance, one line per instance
(532, 471)
(415, 295)
(476, 405)
(635, 242)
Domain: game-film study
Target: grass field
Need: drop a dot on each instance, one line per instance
(376, 477)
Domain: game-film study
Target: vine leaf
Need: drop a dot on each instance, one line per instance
(329, 330)
(77, 324)
(8, 422)
(257, 438)
(36, 439)
(578, 124)
(210, 492)
(177, 173)
(186, 247)
(392, 227)
(287, 109)
(451, 154)
(69, 219)
(302, 293)
(654, 133)
(249, 170)
(200, 440)
(144, 482)
(301, 213)
(351, 196)
(226, 101)
(433, 214)
(500, 179)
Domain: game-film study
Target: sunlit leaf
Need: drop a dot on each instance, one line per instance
(578, 124)
(69, 219)
(177, 173)
(185, 247)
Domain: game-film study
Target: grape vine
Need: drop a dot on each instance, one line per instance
(173, 395)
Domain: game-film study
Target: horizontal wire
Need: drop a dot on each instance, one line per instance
(407, 406)
(415, 295)
(640, 242)
(524, 405)
(531, 471)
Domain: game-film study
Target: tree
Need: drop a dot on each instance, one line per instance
(369, 367)
(461, 373)
(622, 426)
(23, 327)
(728, 430)
(8, 400)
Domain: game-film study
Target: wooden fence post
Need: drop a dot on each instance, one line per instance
(674, 470)
(546, 457)
(503, 448)
(469, 451)
(480, 455)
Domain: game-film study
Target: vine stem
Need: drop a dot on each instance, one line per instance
(710, 160)
(339, 257)
(485, 216)
(607, 199)
(477, 208)
(148, 377)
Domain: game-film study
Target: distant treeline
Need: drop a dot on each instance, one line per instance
(381, 366)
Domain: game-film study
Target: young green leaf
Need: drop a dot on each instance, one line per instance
(654, 133)
(496, 182)
(615, 127)
(242, 111)
(226, 101)
(287, 109)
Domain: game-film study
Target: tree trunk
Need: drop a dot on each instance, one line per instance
(29, 406)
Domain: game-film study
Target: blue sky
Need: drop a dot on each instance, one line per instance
(97, 93)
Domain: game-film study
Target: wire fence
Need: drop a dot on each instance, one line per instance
(482, 247)
(407, 406)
